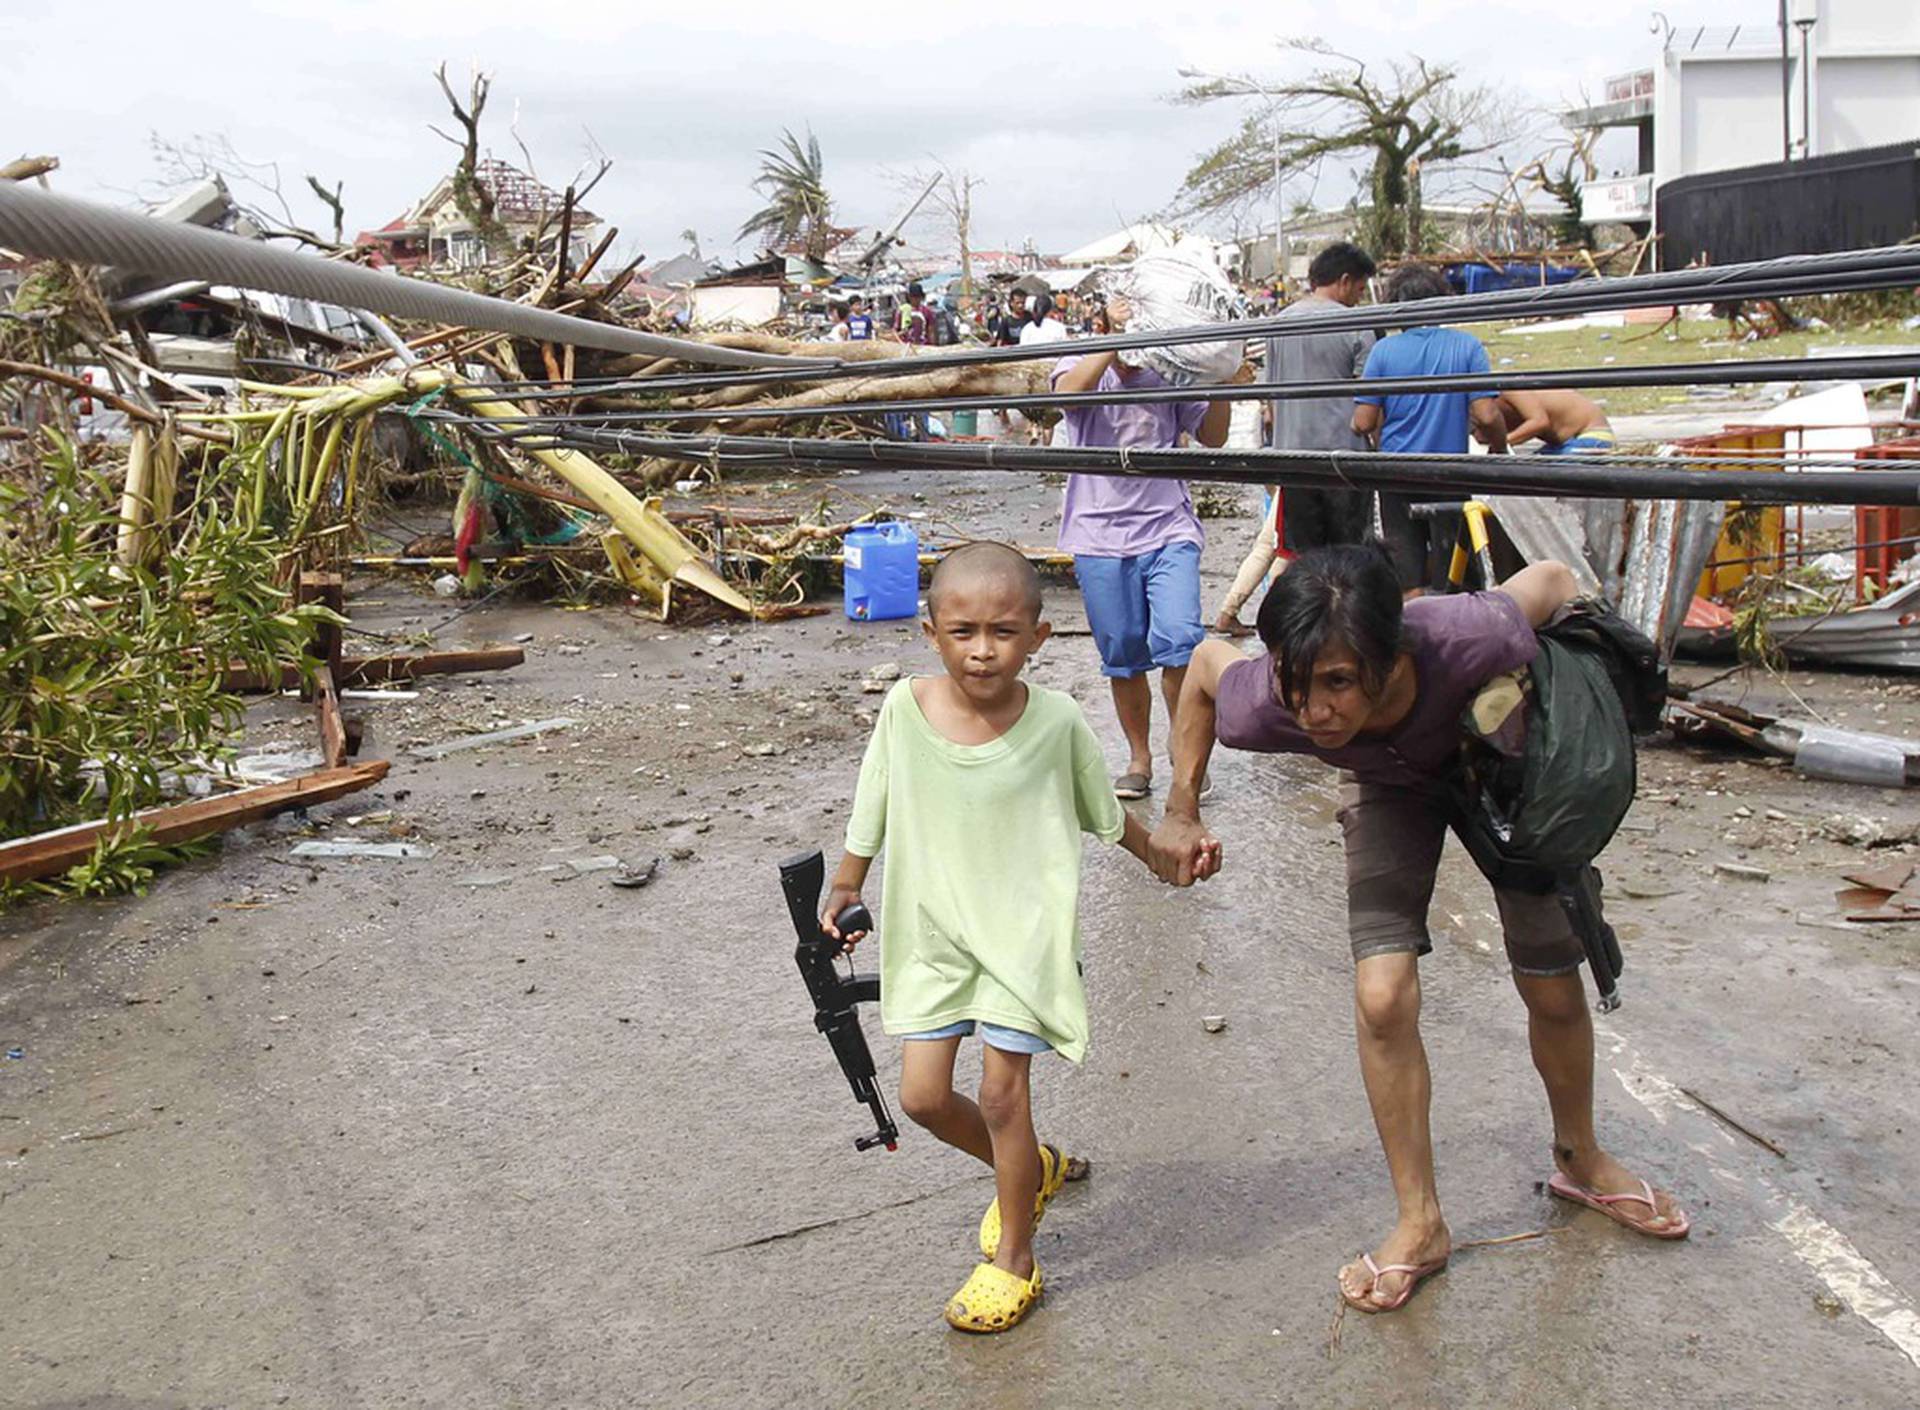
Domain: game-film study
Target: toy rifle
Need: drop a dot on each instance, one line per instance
(1580, 899)
(835, 994)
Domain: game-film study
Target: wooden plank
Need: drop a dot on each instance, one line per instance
(383, 670)
(30, 858)
(326, 708)
(380, 670)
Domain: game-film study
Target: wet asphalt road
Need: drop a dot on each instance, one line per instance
(553, 1144)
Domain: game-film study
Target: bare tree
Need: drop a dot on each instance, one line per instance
(470, 195)
(949, 208)
(1408, 117)
(331, 199)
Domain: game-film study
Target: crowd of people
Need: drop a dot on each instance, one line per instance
(979, 786)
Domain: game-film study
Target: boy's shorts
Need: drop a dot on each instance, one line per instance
(1145, 610)
(1394, 837)
(1007, 1040)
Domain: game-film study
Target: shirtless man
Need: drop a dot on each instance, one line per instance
(1565, 423)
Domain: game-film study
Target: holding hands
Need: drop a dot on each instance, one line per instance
(1182, 851)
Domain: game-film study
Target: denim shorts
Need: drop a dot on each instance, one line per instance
(1144, 611)
(1007, 1040)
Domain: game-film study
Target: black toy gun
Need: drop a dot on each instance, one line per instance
(835, 994)
(1580, 899)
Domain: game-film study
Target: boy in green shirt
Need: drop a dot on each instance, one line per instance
(980, 785)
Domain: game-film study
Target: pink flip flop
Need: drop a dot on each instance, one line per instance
(1609, 1205)
(1417, 1273)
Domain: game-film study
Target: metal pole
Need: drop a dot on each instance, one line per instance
(1279, 209)
(1786, 90)
(1806, 91)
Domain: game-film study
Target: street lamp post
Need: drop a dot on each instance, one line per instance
(1805, 26)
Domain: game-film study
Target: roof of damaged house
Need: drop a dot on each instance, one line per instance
(518, 199)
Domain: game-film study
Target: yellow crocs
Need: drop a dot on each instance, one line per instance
(993, 1300)
(1055, 1170)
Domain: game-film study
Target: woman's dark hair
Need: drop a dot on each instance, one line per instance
(1038, 307)
(1345, 594)
(1416, 281)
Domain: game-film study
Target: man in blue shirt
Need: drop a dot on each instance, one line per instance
(1433, 423)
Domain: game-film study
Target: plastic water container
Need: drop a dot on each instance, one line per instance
(883, 572)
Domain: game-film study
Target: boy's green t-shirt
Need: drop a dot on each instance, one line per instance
(979, 909)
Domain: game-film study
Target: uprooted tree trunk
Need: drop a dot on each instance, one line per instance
(26, 168)
(991, 379)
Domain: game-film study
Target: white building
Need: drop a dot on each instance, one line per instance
(1724, 96)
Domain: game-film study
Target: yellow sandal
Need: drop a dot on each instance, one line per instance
(993, 1300)
(1055, 1170)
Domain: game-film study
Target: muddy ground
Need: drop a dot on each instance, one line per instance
(480, 1129)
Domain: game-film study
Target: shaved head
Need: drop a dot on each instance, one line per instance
(984, 564)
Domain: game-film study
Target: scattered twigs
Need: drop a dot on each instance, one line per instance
(1505, 1239)
(1747, 1131)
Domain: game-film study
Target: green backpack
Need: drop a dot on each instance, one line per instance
(1547, 769)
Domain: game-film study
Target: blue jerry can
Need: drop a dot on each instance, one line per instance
(883, 572)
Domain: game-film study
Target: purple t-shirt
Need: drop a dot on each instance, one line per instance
(1114, 516)
(1458, 644)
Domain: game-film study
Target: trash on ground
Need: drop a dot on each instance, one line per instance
(1889, 893)
(387, 851)
(586, 866)
(634, 878)
(498, 736)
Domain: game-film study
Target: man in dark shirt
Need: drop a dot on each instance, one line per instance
(1009, 321)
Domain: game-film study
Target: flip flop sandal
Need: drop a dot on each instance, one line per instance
(1609, 1205)
(1132, 786)
(1055, 1170)
(1417, 1273)
(993, 1300)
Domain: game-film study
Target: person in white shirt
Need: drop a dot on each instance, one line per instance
(1041, 328)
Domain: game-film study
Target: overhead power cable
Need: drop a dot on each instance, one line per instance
(1872, 367)
(61, 227)
(1849, 272)
(1585, 476)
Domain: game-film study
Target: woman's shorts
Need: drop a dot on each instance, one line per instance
(1007, 1040)
(1394, 836)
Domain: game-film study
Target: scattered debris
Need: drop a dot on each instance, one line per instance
(498, 736)
(630, 879)
(587, 866)
(1741, 871)
(1747, 1131)
(1890, 893)
(386, 851)
(1214, 1022)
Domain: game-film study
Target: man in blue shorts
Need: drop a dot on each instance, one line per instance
(1430, 423)
(1136, 544)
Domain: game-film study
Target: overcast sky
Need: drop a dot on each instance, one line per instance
(1062, 112)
